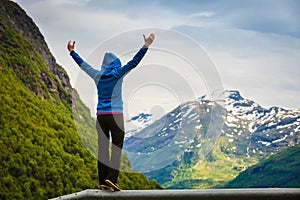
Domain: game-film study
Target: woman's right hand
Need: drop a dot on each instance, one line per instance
(71, 46)
(149, 40)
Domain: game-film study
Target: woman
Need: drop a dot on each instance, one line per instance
(110, 121)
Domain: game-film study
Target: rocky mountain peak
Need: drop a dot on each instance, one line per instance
(233, 95)
(14, 18)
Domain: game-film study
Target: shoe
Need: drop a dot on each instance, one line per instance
(114, 186)
(105, 187)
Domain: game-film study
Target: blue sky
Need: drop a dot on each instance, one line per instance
(255, 45)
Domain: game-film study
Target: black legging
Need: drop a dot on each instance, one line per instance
(108, 168)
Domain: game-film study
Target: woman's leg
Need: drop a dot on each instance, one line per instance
(103, 146)
(117, 134)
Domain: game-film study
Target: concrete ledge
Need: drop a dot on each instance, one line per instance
(209, 194)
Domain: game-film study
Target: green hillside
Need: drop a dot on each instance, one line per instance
(213, 171)
(41, 153)
(195, 171)
(279, 170)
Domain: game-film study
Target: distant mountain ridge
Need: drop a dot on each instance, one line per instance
(246, 134)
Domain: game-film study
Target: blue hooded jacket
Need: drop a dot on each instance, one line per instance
(109, 79)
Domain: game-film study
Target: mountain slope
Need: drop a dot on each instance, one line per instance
(42, 155)
(279, 170)
(137, 123)
(16, 19)
(202, 144)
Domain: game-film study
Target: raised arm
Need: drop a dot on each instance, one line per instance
(138, 56)
(81, 63)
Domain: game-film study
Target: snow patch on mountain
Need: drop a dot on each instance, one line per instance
(137, 123)
(242, 108)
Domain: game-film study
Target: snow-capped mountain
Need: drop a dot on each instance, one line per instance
(241, 128)
(273, 128)
(137, 123)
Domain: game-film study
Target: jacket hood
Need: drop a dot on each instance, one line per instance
(110, 62)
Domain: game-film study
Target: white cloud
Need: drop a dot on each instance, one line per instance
(202, 14)
(263, 66)
(82, 19)
(66, 2)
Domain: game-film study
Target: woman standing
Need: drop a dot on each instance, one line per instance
(110, 121)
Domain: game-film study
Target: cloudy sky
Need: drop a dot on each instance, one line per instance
(254, 45)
